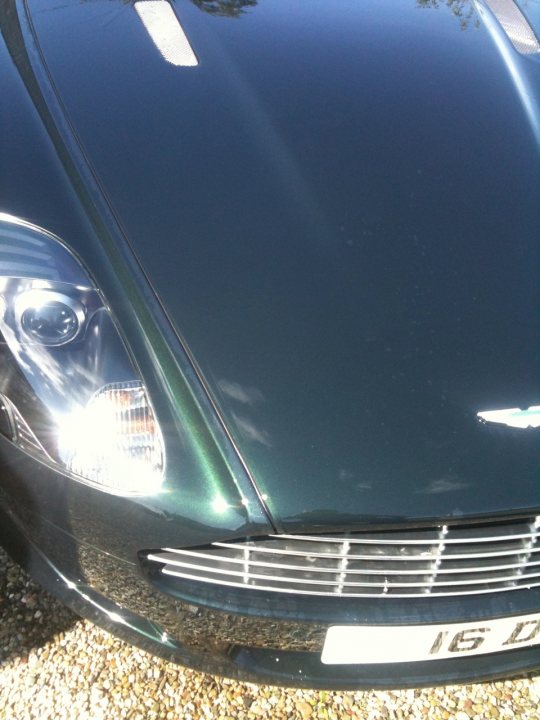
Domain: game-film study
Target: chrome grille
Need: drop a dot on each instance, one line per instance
(444, 560)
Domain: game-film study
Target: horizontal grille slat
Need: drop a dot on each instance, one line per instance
(169, 558)
(412, 541)
(304, 591)
(446, 560)
(331, 583)
(460, 556)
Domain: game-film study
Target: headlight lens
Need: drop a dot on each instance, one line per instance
(48, 317)
(69, 391)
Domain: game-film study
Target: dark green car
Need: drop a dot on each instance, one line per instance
(269, 315)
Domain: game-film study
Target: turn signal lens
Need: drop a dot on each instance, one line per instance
(115, 440)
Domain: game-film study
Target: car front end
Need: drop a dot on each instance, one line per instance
(268, 293)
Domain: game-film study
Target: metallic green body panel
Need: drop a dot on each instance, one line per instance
(338, 208)
(321, 247)
(207, 490)
(255, 639)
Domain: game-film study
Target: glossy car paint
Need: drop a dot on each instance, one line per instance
(84, 544)
(338, 208)
(245, 636)
(45, 185)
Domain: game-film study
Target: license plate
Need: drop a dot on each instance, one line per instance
(360, 644)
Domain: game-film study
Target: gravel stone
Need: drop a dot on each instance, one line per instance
(55, 666)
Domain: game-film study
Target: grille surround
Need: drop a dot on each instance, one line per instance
(444, 560)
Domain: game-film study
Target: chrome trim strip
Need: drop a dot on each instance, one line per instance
(334, 583)
(168, 558)
(217, 581)
(166, 33)
(515, 25)
(410, 558)
(404, 541)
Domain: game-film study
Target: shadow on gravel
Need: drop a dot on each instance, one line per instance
(29, 616)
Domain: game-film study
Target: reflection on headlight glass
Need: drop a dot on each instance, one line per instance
(71, 392)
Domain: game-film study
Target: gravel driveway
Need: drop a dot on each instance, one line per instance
(55, 665)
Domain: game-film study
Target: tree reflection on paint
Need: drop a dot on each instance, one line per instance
(463, 10)
(225, 8)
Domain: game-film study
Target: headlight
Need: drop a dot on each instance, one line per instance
(69, 392)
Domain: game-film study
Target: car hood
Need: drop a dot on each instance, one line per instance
(338, 207)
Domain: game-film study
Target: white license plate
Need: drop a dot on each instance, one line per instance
(354, 644)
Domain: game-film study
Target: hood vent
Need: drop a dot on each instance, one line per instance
(165, 30)
(515, 25)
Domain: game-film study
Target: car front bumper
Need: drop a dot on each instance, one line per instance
(258, 639)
